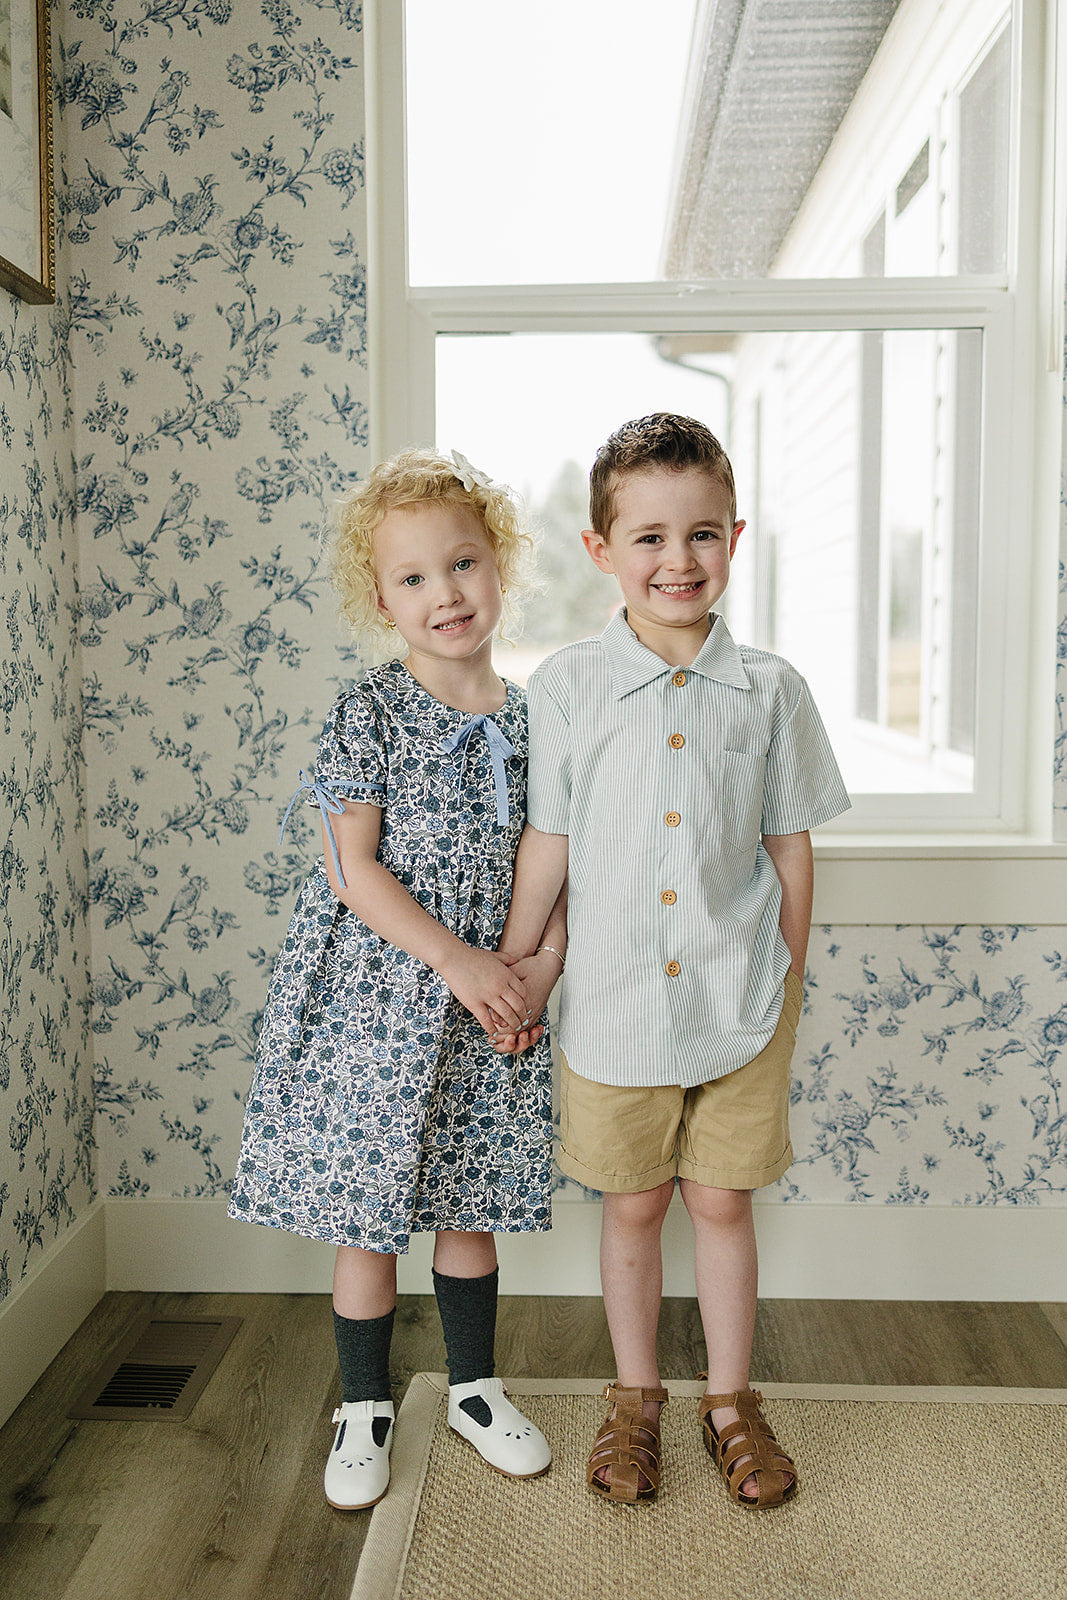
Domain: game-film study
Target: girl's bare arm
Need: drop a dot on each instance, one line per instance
(540, 973)
(480, 979)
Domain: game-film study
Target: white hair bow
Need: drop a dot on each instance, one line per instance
(469, 475)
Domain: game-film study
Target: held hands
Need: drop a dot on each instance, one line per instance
(539, 974)
(489, 987)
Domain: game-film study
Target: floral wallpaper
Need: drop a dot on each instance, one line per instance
(214, 213)
(1059, 771)
(174, 430)
(46, 1097)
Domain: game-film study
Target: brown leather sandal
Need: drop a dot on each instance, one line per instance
(747, 1449)
(628, 1445)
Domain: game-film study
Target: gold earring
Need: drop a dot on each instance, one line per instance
(389, 623)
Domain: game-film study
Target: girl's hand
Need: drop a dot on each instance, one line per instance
(539, 974)
(485, 983)
(506, 1042)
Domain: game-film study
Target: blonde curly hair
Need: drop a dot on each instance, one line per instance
(420, 477)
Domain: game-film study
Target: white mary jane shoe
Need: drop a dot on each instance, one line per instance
(506, 1440)
(357, 1473)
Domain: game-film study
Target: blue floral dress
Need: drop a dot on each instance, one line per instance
(378, 1107)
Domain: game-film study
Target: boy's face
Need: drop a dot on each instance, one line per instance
(669, 546)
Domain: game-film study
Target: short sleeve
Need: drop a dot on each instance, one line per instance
(548, 784)
(351, 759)
(803, 786)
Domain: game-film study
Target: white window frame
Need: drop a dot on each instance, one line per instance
(1020, 315)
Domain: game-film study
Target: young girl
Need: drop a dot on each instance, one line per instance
(379, 1106)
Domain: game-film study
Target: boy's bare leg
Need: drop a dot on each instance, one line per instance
(631, 1277)
(726, 1281)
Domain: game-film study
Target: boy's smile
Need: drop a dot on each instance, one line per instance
(669, 546)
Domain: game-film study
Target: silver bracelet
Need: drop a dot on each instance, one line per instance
(555, 952)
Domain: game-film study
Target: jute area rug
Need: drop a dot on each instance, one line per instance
(905, 1494)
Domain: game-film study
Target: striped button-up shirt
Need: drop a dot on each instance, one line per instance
(664, 779)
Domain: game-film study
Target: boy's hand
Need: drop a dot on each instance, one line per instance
(488, 987)
(539, 974)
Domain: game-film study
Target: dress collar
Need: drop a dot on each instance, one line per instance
(633, 665)
(406, 683)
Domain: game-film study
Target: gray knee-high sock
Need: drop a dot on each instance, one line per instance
(468, 1322)
(363, 1355)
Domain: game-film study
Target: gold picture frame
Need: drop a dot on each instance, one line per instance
(27, 194)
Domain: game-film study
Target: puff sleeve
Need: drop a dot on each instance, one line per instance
(351, 765)
(351, 757)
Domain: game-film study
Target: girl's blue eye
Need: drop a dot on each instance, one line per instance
(464, 564)
(411, 580)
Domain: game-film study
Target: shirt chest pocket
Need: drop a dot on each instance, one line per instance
(741, 792)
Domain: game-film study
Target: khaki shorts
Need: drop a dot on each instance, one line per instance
(731, 1133)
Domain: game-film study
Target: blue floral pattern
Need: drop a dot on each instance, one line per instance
(963, 1042)
(379, 1106)
(47, 1174)
(213, 213)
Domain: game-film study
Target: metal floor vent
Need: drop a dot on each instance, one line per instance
(158, 1371)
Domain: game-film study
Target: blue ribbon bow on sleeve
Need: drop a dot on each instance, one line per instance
(499, 750)
(329, 804)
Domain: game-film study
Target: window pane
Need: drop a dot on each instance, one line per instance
(856, 455)
(807, 129)
(983, 158)
(866, 446)
(575, 142)
(541, 138)
(964, 558)
(908, 447)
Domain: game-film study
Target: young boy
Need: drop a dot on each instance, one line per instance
(674, 776)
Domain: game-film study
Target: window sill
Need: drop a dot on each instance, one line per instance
(934, 846)
(956, 879)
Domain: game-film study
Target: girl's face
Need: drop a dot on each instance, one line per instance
(438, 581)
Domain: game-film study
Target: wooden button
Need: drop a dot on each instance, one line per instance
(672, 969)
(679, 680)
(672, 819)
(668, 897)
(676, 741)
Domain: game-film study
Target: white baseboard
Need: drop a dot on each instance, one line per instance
(192, 1246)
(854, 1252)
(50, 1304)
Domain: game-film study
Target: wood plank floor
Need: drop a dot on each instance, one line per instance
(228, 1504)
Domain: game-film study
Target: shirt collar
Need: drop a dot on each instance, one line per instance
(633, 665)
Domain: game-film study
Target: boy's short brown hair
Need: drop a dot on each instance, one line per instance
(660, 440)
